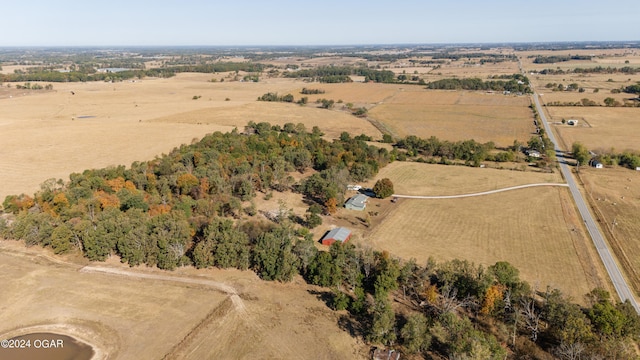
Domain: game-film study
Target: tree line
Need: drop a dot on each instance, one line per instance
(469, 151)
(333, 74)
(541, 59)
(517, 83)
(88, 72)
(594, 70)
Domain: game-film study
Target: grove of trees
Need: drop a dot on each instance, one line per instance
(515, 83)
(187, 208)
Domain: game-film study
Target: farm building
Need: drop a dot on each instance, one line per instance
(358, 202)
(533, 153)
(572, 122)
(340, 234)
(595, 163)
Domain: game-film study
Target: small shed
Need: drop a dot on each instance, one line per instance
(358, 202)
(341, 234)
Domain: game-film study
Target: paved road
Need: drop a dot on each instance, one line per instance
(623, 290)
(476, 194)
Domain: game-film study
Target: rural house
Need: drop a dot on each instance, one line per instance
(596, 164)
(357, 202)
(533, 153)
(340, 234)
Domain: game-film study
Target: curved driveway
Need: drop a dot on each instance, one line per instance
(477, 194)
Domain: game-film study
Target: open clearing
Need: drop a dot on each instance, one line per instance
(534, 229)
(457, 115)
(189, 319)
(92, 125)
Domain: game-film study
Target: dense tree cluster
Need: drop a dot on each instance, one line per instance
(334, 74)
(632, 89)
(516, 83)
(594, 70)
(306, 91)
(628, 159)
(169, 211)
(468, 150)
(456, 309)
(458, 56)
(271, 96)
(540, 59)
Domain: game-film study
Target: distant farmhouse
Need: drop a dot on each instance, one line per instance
(340, 234)
(532, 153)
(358, 202)
(595, 163)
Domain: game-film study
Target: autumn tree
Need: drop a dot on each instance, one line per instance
(383, 188)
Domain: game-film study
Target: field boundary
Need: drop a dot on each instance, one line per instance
(478, 193)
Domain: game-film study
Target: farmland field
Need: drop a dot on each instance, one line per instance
(534, 229)
(91, 125)
(457, 115)
(116, 312)
(599, 128)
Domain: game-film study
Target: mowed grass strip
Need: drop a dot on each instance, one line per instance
(455, 116)
(410, 178)
(524, 227)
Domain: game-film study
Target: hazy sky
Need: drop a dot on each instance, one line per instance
(329, 22)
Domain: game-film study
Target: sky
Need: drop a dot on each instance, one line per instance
(329, 22)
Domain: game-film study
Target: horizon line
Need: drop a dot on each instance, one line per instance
(337, 45)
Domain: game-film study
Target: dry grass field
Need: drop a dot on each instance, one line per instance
(463, 69)
(457, 115)
(51, 134)
(117, 313)
(615, 195)
(534, 229)
(411, 178)
(599, 128)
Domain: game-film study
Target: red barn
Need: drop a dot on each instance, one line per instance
(341, 234)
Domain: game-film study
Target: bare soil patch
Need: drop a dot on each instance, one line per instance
(188, 318)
